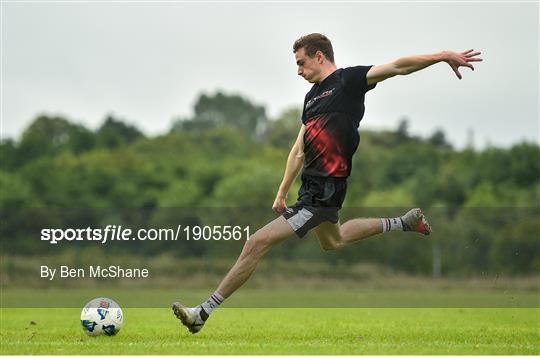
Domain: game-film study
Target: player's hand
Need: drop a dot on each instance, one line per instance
(279, 205)
(463, 59)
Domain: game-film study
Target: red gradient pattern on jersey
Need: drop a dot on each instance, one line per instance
(324, 150)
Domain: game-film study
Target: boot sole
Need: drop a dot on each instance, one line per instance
(180, 313)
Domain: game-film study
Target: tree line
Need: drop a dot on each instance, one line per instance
(229, 154)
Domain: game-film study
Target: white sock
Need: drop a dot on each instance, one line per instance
(391, 224)
(212, 303)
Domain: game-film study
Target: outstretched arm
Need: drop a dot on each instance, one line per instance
(411, 64)
(294, 164)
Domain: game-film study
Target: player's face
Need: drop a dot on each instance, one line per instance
(309, 68)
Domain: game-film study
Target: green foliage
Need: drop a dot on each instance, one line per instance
(518, 249)
(15, 193)
(114, 133)
(247, 188)
(282, 132)
(222, 109)
(438, 138)
(47, 136)
(8, 155)
(399, 196)
(229, 155)
(180, 193)
(525, 164)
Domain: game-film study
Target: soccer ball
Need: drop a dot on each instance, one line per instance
(102, 316)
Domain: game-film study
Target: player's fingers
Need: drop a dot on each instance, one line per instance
(474, 59)
(279, 209)
(457, 72)
(473, 54)
(468, 51)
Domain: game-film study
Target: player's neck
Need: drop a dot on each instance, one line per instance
(327, 72)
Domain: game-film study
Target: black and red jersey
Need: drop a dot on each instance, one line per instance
(332, 112)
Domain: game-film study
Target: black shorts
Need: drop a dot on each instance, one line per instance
(319, 200)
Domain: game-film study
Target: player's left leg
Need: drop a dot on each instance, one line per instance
(258, 245)
(334, 236)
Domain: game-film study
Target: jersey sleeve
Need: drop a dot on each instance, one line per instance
(355, 79)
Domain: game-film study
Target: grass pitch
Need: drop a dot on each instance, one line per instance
(281, 331)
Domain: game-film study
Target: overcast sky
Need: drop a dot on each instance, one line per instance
(147, 62)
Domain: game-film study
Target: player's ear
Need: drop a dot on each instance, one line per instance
(319, 56)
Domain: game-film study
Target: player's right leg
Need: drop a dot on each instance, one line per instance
(415, 221)
(334, 235)
(254, 249)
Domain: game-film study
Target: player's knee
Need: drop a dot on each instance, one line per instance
(330, 245)
(255, 245)
(327, 247)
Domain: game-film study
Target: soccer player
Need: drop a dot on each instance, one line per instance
(327, 140)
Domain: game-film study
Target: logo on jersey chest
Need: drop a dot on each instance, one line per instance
(320, 96)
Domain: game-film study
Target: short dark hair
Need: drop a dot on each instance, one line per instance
(315, 42)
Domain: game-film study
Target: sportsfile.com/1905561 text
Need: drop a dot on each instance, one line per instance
(120, 233)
